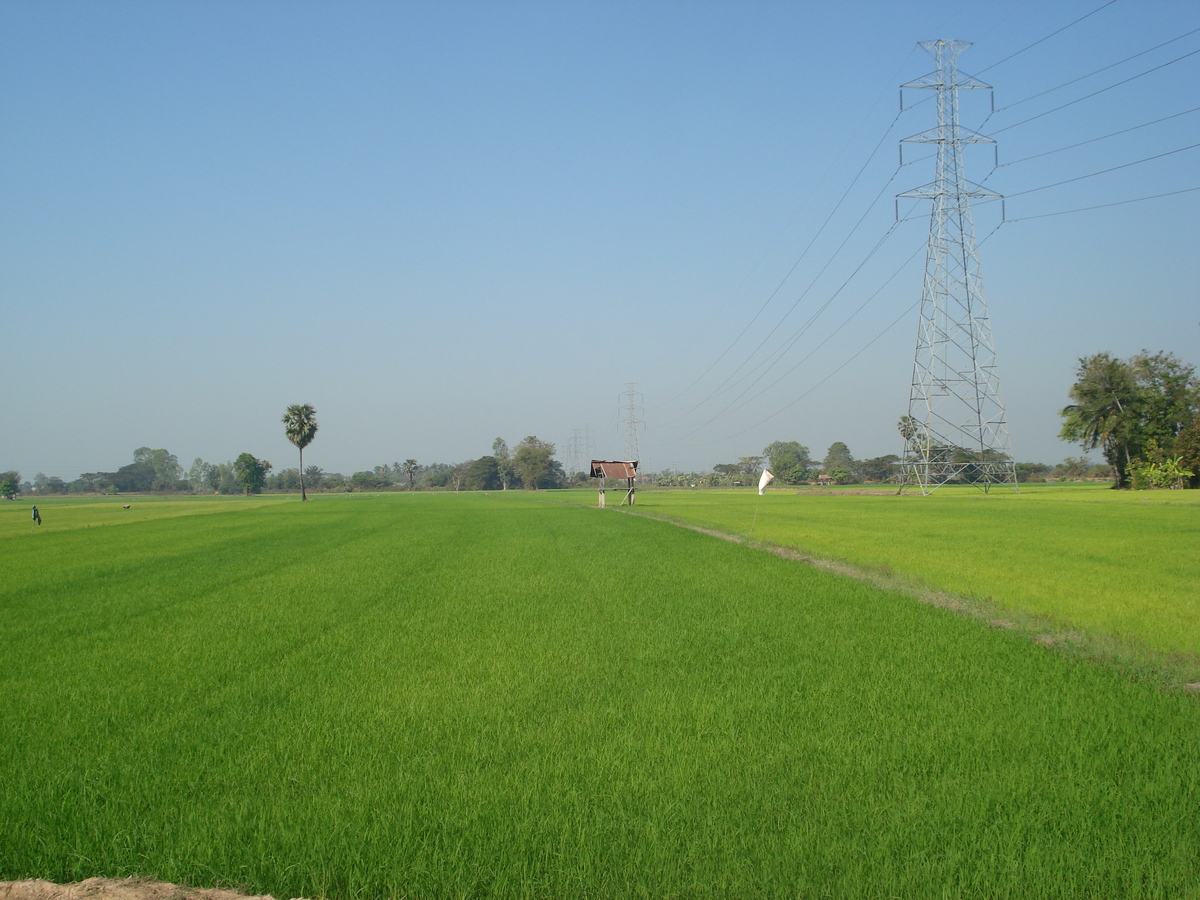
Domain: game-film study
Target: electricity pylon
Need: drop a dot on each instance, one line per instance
(632, 422)
(955, 430)
(573, 448)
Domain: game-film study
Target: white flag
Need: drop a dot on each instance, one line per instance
(764, 481)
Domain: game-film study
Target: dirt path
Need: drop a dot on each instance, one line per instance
(1172, 671)
(114, 889)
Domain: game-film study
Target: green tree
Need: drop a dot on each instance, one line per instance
(49, 484)
(1122, 405)
(1073, 468)
(503, 462)
(137, 477)
(750, 466)
(251, 473)
(1158, 469)
(369, 481)
(482, 475)
(93, 483)
(459, 473)
(165, 466)
(724, 473)
(912, 433)
(788, 461)
(315, 476)
(879, 469)
(437, 475)
(226, 479)
(1187, 448)
(10, 484)
(1032, 471)
(839, 458)
(300, 426)
(533, 463)
(203, 476)
(1170, 396)
(1105, 412)
(410, 469)
(284, 480)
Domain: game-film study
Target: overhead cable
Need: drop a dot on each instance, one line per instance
(1104, 205)
(783, 318)
(788, 406)
(1097, 72)
(1101, 138)
(1136, 162)
(1047, 37)
(1097, 93)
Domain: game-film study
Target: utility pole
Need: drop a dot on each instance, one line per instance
(633, 408)
(955, 430)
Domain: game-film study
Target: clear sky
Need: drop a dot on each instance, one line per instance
(440, 222)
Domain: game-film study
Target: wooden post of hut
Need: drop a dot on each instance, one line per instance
(612, 468)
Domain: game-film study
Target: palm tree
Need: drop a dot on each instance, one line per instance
(410, 468)
(300, 426)
(1106, 412)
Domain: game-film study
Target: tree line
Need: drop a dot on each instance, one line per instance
(530, 465)
(1143, 413)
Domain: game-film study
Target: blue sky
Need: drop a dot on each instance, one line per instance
(443, 222)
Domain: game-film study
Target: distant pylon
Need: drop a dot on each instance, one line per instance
(589, 444)
(955, 430)
(632, 421)
(573, 448)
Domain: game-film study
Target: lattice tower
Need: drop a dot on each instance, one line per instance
(955, 430)
(632, 420)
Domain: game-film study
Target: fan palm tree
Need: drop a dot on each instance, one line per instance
(300, 426)
(410, 468)
(1106, 411)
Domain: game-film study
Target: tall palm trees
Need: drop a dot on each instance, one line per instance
(300, 426)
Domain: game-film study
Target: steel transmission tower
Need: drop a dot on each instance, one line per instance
(589, 444)
(573, 448)
(955, 430)
(632, 422)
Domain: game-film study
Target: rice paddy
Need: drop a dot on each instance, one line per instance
(512, 695)
(1104, 562)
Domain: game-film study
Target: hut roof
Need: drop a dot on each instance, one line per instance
(612, 468)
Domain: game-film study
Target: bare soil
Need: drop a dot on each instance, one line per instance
(115, 889)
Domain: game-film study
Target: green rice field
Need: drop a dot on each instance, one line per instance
(1124, 564)
(518, 695)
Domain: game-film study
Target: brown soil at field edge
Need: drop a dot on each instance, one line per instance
(115, 889)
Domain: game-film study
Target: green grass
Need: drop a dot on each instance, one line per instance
(467, 695)
(1117, 563)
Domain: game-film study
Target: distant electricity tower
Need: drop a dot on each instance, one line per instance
(580, 446)
(955, 430)
(633, 408)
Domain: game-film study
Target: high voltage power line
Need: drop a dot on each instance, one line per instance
(1096, 93)
(1047, 37)
(1107, 205)
(754, 372)
(1059, 87)
(1102, 137)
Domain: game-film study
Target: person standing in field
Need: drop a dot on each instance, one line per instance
(37, 516)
